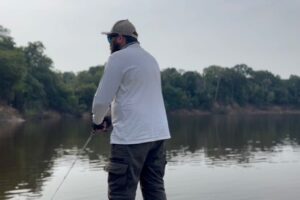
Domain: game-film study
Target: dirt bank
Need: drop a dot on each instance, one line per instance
(10, 114)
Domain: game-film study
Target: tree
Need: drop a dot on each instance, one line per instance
(174, 95)
(6, 41)
(213, 76)
(12, 67)
(262, 85)
(293, 88)
(194, 88)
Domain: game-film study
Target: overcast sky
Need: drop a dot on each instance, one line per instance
(189, 35)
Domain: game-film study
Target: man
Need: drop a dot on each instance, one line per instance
(131, 83)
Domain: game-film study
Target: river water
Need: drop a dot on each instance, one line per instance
(255, 157)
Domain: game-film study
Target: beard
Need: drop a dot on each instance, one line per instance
(114, 47)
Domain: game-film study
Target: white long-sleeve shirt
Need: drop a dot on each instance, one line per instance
(131, 83)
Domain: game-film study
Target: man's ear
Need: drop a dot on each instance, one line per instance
(121, 40)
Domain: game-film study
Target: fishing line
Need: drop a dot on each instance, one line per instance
(77, 155)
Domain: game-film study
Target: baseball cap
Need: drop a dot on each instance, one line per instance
(123, 27)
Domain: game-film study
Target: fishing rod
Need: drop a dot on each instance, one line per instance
(77, 155)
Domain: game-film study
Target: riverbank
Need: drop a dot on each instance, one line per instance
(237, 110)
(10, 114)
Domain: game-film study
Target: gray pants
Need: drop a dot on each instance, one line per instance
(130, 164)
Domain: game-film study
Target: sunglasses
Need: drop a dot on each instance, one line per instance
(110, 37)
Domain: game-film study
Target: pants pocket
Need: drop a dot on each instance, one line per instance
(117, 175)
(163, 168)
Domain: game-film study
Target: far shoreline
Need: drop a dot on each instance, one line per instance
(229, 110)
(11, 115)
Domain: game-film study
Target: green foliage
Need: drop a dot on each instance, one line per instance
(6, 42)
(293, 89)
(239, 85)
(12, 67)
(29, 83)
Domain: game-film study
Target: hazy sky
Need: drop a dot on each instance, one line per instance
(189, 35)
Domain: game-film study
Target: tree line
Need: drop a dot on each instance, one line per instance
(238, 86)
(30, 83)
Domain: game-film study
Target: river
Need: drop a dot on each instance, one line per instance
(239, 157)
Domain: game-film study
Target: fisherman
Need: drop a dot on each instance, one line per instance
(131, 84)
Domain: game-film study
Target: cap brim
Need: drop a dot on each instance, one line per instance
(106, 33)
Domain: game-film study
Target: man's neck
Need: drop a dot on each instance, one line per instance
(128, 44)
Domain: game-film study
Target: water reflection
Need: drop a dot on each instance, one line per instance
(231, 139)
(31, 151)
(28, 152)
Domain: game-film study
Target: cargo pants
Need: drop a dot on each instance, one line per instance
(130, 164)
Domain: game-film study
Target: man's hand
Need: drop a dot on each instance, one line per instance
(97, 127)
(104, 126)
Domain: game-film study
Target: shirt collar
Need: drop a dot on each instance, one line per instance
(129, 44)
